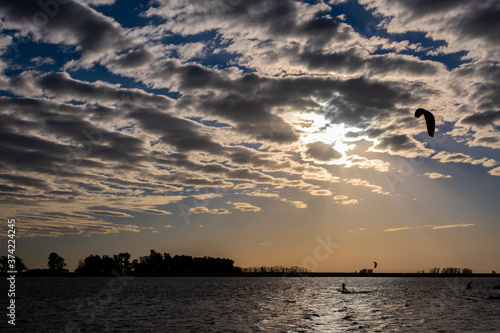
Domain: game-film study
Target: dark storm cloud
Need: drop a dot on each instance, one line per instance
(11, 189)
(488, 141)
(245, 100)
(85, 139)
(425, 7)
(322, 152)
(216, 169)
(242, 156)
(482, 119)
(67, 22)
(350, 61)
(280, 19)
(114, 146)
(250, 100)
(181, 133)
(458, 22)
(363, 102)
(32, 153)
(61, 84)
(480, 22)
(397, 143)
(133, 58)
(38, 109)
(190, 76)
(252, 116)
(25, 181)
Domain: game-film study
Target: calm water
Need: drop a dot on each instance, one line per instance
(254, 305)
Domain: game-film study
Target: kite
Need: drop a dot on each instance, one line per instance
(429, 120)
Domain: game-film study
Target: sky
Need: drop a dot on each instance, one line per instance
(269, 132)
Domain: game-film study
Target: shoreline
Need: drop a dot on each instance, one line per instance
(314, 274)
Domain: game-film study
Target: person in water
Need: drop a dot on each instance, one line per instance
(469, 285)
(344, 290)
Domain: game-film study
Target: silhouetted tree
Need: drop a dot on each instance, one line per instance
(4, 264)
(123, 261)
(434, 270)
(55, 262)
(92, 265)
(366, 271)
(108, 264)
(274, 270)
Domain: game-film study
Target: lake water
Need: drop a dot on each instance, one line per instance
(253, 304)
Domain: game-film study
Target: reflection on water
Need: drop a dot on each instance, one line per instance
(256, 304)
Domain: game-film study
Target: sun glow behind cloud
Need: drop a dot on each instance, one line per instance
(314, 127)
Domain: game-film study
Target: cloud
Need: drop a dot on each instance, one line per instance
(462, 225)
(374, 188)
(132, 59)
(40, 61)
(219, 211)
(433, 227)
(402, 145)
(399, 229)
(130, 228)
(107, 213)
(262, 194)
(245, 207)
(495, 171)
(315, 192)
(447, 157)
(349, 202)
(150, 211)
(482, 119)
(71, 23)
(344, 200)
(206, 196)
(199, 210)
(321, 151)
(99, 2)
(54, 224)
(365, 163)
(469, 25)
(168, 226)
(205, 210)
(436, 175)
(244, 186)
(298, 204)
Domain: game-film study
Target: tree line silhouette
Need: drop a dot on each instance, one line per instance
(163, 264)
(450, 271)
(156, 264)
(275, 270)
